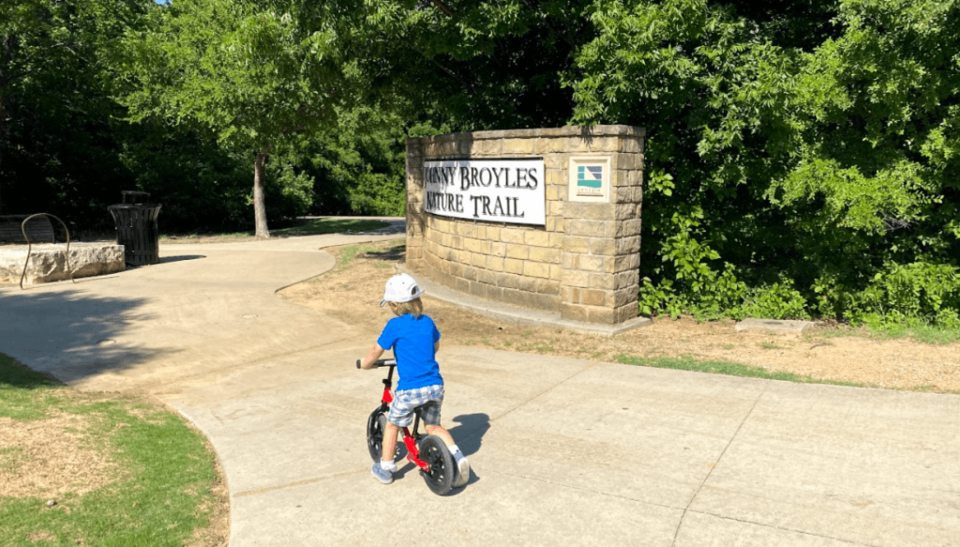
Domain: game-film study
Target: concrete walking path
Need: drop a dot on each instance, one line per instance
(564, 451)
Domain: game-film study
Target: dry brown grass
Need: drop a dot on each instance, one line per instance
(352, 294)
(50, 457)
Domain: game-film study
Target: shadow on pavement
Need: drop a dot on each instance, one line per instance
(15, 375)
(69, 334)
(469, 434)
(179, 258)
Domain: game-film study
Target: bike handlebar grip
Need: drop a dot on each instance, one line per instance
(358, 363)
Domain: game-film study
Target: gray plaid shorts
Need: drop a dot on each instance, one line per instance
(401, 409)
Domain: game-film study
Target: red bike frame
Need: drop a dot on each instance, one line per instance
(409, 439)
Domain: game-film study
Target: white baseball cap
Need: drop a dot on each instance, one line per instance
(401, 288)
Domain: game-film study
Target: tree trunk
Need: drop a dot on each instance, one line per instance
(259, 208)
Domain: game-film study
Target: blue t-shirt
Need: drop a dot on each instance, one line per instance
(412, 341)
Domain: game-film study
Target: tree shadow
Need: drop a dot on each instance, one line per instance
(17, 375)
(390, 254)
(399, 227)
(71, 334)
(179, 258)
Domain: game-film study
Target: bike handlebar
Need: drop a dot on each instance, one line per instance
(381, 363)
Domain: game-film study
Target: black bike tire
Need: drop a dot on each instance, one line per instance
(440, 477)
(376, 423)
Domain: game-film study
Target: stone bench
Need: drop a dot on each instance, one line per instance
(48, 261)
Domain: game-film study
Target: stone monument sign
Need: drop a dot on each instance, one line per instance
(541, 218)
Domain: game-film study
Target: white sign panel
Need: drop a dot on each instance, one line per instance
(509, 191)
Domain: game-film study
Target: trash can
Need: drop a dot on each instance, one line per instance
(137, 229)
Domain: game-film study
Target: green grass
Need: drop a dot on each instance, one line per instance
(166, 467)
(537, 347)
(723, 367)
(25, 394)
(351, 252)
(390, 250)
(317, 226)
(225, 236)
(938, 336)
(922, 333)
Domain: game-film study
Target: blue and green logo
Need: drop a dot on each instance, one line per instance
(590, 176)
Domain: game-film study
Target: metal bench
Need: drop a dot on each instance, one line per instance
(38, 229)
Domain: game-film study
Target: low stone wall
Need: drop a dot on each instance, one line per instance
(583, 263)
(48, 262)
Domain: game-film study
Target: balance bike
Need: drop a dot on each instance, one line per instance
(428, 452)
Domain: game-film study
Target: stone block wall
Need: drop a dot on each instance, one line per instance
(583, 264)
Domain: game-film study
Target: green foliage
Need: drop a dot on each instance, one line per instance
(66, 147)
(59, 129)
(361, 169)
(254, 76)
(199, 184)
(260, 78)
(290, 189)
(812, 172)
(917, 294)
(800, 158)
(482, 64)
(777, 301)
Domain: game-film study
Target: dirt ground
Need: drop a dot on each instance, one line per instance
(826, 353)
(48, 458)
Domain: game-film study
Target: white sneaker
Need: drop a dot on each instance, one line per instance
(463, 473)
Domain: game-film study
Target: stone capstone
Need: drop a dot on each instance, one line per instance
(48, 262)
(774, 325)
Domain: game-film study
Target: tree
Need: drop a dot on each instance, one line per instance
(483, 64)
(257, 76)
(59, 128)
(797, 151)
(815, 157)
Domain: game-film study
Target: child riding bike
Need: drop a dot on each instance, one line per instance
(414, 339)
